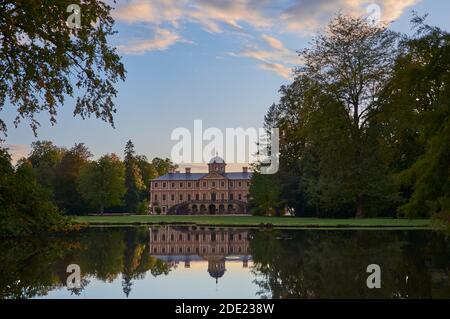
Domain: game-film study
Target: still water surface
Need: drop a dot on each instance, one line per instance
(193, 262)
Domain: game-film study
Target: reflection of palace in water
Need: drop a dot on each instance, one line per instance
(193, 244)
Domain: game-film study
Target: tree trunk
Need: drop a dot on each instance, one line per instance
(359, 207)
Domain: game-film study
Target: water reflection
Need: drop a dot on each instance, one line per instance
(192, 262)
(191, 245)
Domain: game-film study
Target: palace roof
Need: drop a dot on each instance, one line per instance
(199, 176)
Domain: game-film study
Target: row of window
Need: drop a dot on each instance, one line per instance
(197, 184)
(197, 237)
(197, 197)
(231, 250)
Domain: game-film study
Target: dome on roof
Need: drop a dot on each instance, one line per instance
(217, 160)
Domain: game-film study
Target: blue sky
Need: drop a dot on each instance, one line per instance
(218, 61)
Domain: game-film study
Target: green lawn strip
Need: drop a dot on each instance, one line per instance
(254, 221)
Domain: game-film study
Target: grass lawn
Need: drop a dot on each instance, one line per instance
(255, 221)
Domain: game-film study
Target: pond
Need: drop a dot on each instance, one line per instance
(203, 262)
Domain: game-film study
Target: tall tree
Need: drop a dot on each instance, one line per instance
(44, 157)
(102, 183)
(43, 60)
(148, 172)
(67, 195)
(417, 116)
(133, 179)
(25, 205)
(350, 63)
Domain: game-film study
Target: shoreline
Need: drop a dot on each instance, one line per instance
(255, 222)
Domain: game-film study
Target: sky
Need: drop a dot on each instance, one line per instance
(218, 61)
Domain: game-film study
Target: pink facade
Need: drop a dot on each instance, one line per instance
(215, 192)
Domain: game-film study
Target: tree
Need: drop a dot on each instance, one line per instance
(265, 194)
(42, 59)
(133, 179)
(417, 114)
(67, 195)
(351, 63)
(102, 183)
(25, 205)
(148, 172)
(44, 158)
(162, 166)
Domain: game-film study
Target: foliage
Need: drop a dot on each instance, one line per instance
(102, 183)
(162, 166)
(133, 179)
(25, 205)
(67, 194)
(42, 60)
(265, 192)
(365, 127)
(142, 208)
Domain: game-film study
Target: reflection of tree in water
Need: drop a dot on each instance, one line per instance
(332, 264)
(289, 264)
(35, 266)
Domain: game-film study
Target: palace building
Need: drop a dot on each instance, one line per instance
(215, 192)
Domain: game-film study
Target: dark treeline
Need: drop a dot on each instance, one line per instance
(364, 126)
(53, 182)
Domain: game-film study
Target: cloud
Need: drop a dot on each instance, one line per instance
(278, 68)
(17, 151)
(273, 42)
(307, 16)
(251, 17)
(276, 58)
(234, 13)
(162, 40)
(298, 16)
(154, 12)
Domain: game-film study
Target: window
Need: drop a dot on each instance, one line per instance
(204, 196)
(164, 185)
(181, 185)
(189, 184)
(222, 184)
(222, 196)
(172, 197)
(197, 196)
(156, 185)
(189, 196)
(240, 184)
(231, 184)
(198, 184)
(204, 184)
(231, 196)
(240, 197)
(156, 197)
(164, 197)
(164, 209)
(173, 185)
(181, 196)
(213, 184)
